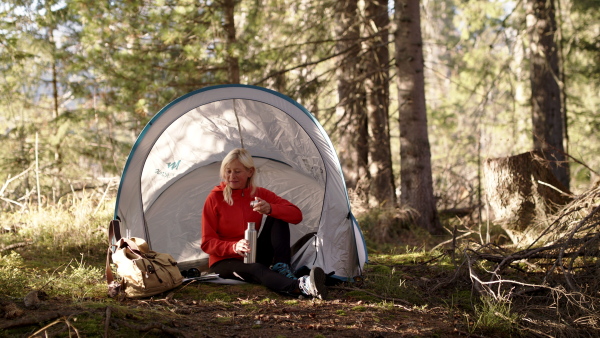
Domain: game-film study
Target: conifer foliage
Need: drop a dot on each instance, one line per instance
(79, 79)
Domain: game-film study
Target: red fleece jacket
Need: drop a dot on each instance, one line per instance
(223, 225)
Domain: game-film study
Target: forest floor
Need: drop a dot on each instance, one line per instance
(403, 292)
(413, 288)
(394, 299)
(215, 310)
(251, 316)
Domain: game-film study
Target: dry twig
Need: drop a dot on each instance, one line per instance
(34, 319)
(15, 245)
(107, 321)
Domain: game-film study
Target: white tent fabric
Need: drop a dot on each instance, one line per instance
(175, 163)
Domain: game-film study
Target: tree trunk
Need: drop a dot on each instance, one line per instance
(520, 190)
(547, 117)
(352, 126)
(57, 154)
(415, 154)
(233, 66)
(377, 84)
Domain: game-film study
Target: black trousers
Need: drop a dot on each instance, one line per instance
(273, 246)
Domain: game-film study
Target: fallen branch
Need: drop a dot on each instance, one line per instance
(14, 246)
(567, 273)
(33, 320)
(455, 276)
(10, 179)
(433, 259)
(107, 321)
(451, 240)
(538, 254)
(65, 320)
(108, 186)
(13, 202)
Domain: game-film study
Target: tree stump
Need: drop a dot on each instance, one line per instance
(521, 190)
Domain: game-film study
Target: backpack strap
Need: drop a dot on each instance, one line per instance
(132, 246)
(114, 231)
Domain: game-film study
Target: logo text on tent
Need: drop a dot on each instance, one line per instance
(171, 166)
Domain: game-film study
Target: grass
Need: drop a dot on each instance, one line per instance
(66, 251)
(66, 246)
(12, 274)
(494, 316)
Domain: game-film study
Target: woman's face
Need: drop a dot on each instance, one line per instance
(236, 175)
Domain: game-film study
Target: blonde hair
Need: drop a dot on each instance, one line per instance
(246, 160)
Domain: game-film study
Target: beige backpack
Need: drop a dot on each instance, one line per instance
(142, 272)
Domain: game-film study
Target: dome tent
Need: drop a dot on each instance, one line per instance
(175, 163)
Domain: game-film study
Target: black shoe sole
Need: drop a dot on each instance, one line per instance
(317, 278)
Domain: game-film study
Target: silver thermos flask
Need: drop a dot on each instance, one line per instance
(250, 236)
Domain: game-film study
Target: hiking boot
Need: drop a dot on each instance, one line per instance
(314, 284)
(284, 269)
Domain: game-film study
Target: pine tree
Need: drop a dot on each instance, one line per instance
(377, 85)
(415, 156)
(546, 104)
(352, 126)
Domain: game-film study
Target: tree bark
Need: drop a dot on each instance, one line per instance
(520, 190)
(55, 85)
(547, 118)
(415, 154)
(377, 85)
(233, 65)
(352, 125)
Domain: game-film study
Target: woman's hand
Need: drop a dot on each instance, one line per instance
(242, 247)
(261, 206)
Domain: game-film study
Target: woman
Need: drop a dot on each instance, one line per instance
(227, 211)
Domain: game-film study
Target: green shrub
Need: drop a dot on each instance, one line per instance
(495, 315)
(12, 275)
(79, 281)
